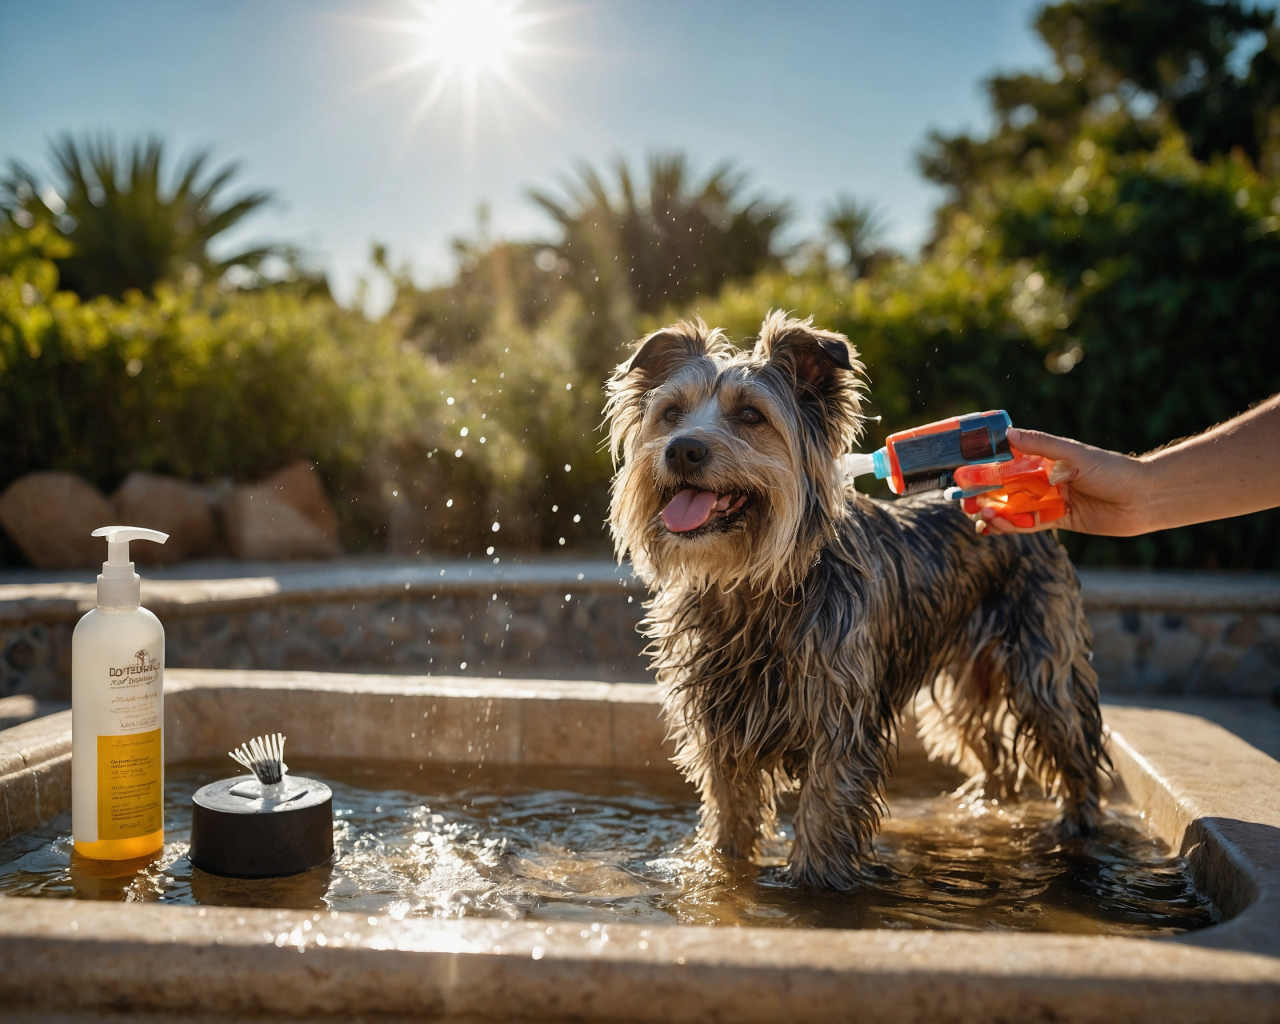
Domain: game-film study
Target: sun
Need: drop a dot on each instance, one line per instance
(469, 35)
(466, 45)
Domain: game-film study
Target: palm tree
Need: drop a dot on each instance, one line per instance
(127, 228)
(667, 240)
(859, 228)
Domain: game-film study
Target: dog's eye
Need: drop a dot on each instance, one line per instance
(750, 414)
(672, 413)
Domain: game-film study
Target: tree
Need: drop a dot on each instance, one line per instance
(859, 228)
(674, 237)
(126, 226)
(1126, 72)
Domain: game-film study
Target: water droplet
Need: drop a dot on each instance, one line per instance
(448, 401)
(463, 432)
(538, 952)
(463, 665)
(489, 551)
(577, 519)
(458, 454)
(555, 508)
(496, 527)
(562, 542)
(449, 503)
(567, 467)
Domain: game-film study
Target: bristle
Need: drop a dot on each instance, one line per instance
(264, 756)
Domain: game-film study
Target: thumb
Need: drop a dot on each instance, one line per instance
(1035, 442)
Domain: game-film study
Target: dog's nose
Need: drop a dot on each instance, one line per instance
(685, 454)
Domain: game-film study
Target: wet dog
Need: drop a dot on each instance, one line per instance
(793, 620)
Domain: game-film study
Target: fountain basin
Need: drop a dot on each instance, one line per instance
(1207, 794)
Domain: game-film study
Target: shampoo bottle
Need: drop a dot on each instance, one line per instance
(117, 713)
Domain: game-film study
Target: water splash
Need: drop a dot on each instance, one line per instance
(591, 846)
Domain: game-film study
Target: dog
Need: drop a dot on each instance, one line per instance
(793, 620)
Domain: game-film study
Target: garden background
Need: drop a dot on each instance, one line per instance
(1105, 264)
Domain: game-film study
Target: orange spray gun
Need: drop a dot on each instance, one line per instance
(969, 458)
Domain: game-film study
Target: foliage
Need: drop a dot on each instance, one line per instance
(1127, 73)
(205, 384)
(858, 228)
(126, 227)
(517, 445)
(1127, 300)
(673, 238)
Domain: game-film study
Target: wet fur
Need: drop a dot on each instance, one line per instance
(789, 639)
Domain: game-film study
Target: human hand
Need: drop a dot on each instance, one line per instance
(1105, 492)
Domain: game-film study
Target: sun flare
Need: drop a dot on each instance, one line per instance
(468, 47)
(469, 35)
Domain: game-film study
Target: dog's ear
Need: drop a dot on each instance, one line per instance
(657, 357)
(805, 354)
(660, 353)
(823, 371)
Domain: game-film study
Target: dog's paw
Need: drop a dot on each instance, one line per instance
(1079, 823)
(835, 874)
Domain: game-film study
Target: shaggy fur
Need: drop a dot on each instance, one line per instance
(790, 632)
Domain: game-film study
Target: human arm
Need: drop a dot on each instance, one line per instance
(1230, 470)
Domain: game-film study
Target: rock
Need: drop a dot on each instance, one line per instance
(50, 516)
(263, 527)
(173, 506)
(298, 484)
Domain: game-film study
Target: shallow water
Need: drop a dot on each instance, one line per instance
(598, 846)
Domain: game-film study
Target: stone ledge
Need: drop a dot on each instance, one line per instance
(31, 596)
(1189, 634)
(1119, 590)
(51, 600)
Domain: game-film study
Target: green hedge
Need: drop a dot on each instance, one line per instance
(203, 385)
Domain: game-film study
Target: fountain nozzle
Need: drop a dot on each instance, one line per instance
(264, 756)
(268, 825)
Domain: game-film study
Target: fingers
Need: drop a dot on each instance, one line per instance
(1036, 442)
(987, 522)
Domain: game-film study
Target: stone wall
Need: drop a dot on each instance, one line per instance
(1192, 634)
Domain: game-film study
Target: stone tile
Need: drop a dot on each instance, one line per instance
(1215, 678)
(1209, 628)
(21, 801)
(567, 732)
(330, 626)
(639, 737)
(1175, 654)
(1244, 633)
(53, 786)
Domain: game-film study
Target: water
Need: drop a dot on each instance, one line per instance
(595, 846)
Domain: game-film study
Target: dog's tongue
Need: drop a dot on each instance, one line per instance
(689, 509)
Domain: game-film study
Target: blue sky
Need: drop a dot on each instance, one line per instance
(813, 98)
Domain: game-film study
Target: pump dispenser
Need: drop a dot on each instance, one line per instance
(117, 713)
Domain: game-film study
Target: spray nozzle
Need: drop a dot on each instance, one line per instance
(118, 538)
(857, 464)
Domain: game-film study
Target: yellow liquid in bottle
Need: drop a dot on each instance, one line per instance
(122, 849)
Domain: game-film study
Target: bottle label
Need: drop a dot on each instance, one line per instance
(129, 797)
(135, 693)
